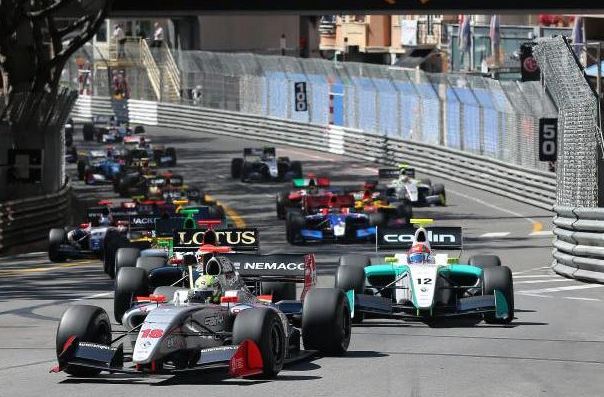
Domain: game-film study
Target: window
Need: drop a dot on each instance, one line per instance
(101, 36)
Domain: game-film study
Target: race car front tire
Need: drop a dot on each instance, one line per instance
(484, 261)
(236, 167)
(354, 260)
(129, 283)
(112, 243)
(326, 323)
(56, 237)
(264, 327)
(351, 278)
(125, 257)
(295, 167)
(87, 323)
(150, 263)
(293, 224)
(279, 290)
(438, 189)
(499, 278)
(282, 203)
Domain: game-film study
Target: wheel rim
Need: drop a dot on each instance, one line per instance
(276, 344)
(345, 323)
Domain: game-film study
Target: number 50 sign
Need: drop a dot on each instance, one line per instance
(548, 139)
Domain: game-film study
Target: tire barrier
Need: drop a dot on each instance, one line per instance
(26, 221)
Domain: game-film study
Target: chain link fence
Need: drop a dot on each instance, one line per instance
(498, 119)
(578, 129)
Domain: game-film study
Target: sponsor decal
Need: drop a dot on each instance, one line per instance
(152, 333)
(95, 345)
(239, 238)
(213, 321)
(270, 266)
(439, 237)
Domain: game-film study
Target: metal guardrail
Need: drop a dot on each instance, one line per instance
(534, 187)
(29, 220)
(579, 243)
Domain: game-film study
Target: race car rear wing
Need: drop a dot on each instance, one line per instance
(440, 237)
(394, 173)
(239, 240)
(266, 151)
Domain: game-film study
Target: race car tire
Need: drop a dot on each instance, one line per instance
(150, 263)
(171, 152)
(439, 189)
(484, 261)
(295, 167)
(499, 278)
(426, 181)
(351, 278)
(326, 323)
(264, 327)
(236, 167)
(282, 169)
(246, 170)
(88, 131)
(167, 291)
(156, 252)
(139, 129)
(405, 211)
(125, 257)
(284, 159)
(87, 323)
(113, 242)
(355, 260)
(293, 224)
(377, 219)
(129, 282)
(279, 290)
(56, 237)
(81, 170)
(282, 202)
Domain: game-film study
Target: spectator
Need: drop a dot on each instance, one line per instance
(158, 36)
(140, 32)
(120, 40)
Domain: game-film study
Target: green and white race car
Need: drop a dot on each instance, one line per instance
(423, 286)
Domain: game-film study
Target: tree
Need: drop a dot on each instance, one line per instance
(37, 38)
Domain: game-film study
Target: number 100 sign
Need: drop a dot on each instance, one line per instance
(548, 139)
(301, 102)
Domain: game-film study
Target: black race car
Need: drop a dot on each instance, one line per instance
(262, 164)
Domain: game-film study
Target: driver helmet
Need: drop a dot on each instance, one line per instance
(420, 253)
(312, 187)
(208, 287)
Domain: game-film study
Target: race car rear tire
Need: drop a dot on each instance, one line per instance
(354, 260)
(279, 290)
(295, 167)
(326, 323)
(129, 283)
(438, 189)
(113, 242)
(81, 170)
(56, 237)
(139, 129)
(87, 323)
(426, 181)
(484, 261)
(351, 278)
(236, 166)
(150, 263)
(499, 278)
(125, 257)
(282, 202)
(171, 152)
(265, 328)
(293, 224)
(88, 131)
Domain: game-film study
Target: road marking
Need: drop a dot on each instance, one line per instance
(559, 280)
(538, 276)
(92, 296)
(535, 295)
(530, 270)
(540, 233)
(560, 289)
(582, 299)
(494, 234)
(231, 213)
(17, 272)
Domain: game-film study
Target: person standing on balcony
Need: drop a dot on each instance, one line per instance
(120, 40)
(158, 36)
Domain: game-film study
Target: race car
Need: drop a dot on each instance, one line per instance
(140, 148)
(402, 185)
(87, 239)
(330, 217)
(370, 200)
(91, 129)
(302, 186)
(208, 319)
(421, 285)
(262, 164)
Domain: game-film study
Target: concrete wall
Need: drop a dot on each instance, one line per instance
(248, 32)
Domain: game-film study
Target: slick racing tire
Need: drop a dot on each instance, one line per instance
(88, 324)
(247, 169)
(293, 224)
(125, 257)
(236, 166)
(139, 129)
(295, 167)
(426, 181)
(265, 328)
(326, 323)
(484, 261)
(129, 283)
(405, 211)
(282, 202)
(499, 278)
(81, 170)
(351, 278)
(56, 237)
(112, 243)
(150, 263)
(279, 290)
(438, 189)
(88, 131)
(354, 260)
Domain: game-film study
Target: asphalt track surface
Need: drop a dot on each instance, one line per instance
(554, 347)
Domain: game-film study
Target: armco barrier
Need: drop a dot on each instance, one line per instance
(531, 186)
(29, 220)
(579, 243)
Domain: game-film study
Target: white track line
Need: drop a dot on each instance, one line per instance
(582, 299)
(542, 233)
(559, 280)
(560, 289)
(530, 270)
(494, 235)
(93, 296)
(538, 276)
